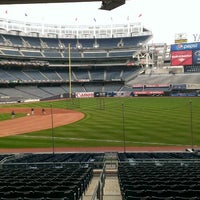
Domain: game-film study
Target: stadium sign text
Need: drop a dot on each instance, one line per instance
(185, 46)
(196, 37)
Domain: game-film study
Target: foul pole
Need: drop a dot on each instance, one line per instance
(70, 76)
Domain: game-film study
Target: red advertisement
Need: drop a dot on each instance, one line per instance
(84, 94)
(181, 58)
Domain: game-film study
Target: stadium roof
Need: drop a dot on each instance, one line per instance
(42, 1)
(106, 4)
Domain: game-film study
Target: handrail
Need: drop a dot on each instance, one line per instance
(98, 192)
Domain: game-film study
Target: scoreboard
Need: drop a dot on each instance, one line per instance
(185, 54)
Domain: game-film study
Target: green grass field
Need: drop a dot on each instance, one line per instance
(140, 121)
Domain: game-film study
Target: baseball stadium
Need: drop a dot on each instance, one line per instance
(97, 113)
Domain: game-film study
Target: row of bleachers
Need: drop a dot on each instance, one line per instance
(18, 94)
(129, 42)
(95, 54)
(67, 41)
(49, 176)
(11, 52)
(81, 74)
(64, 75)
(54, 53)
(78, 88)
(51, 53)
(98, 87)
(121, 53)
(5, 76)
(32, 53)
(34, 92)
(36, 75)
(51, 75)
(123, 157)
(26, 92)
(32, 41)
(169, 181)
(167, 79)
(97, 74)
(54, 90)
(66, 176)
(112, 87)
(51, 42)
(16, 40)
(69, 182)
(157, 175)
(59, 157)
(113, 74)
(86, 43)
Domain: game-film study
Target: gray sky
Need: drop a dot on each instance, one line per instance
(164, 18)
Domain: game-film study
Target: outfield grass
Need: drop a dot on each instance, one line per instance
(111, 121)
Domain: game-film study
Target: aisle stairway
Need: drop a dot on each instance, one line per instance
(111, 189)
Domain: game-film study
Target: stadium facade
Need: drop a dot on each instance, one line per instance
(48, 61)
(36, 59)
(45, 61)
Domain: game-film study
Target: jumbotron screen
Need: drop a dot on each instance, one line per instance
(185, 54)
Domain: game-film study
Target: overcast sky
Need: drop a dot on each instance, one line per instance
(164, 18)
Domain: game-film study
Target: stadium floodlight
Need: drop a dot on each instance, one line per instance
(111, 4)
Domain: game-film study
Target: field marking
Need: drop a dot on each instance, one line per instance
(98, 140)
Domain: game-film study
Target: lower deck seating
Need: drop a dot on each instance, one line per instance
(66, 176)
(67, 183)
(147, 180)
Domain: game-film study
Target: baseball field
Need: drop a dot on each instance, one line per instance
(102, 122)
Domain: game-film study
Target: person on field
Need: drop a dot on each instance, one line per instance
(13, 114)
(43, 111)
(32, 111)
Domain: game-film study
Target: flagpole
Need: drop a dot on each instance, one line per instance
(6, 13)
(94, 28)
(128, 25)
(111, 27)
(42, 19)
(76, 21)
(25, 20)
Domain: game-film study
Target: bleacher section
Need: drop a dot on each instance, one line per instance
(167, 79)
(110, 59)
(46, 183)
(84, 80)
(89, 80)
(33, 62)
(34, 42)
(63, 176)
(12, 39)
(159, 175)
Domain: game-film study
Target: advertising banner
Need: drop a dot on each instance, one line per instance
(185, 46)
(196, 57)
(181, 58)
(84, 94)
(179, 86)
(148, 92)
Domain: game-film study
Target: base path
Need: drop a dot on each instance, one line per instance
(37, 121)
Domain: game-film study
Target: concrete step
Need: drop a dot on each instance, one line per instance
(111, 188)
